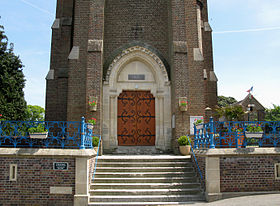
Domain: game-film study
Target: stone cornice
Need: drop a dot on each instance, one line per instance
(47, 152)
(237, 152)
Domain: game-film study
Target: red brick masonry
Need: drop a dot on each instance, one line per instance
(34, 178)
(240, 170)
(247, 174)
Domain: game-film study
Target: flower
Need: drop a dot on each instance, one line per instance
(183, 103)
(254, 128)
(92, 121)
(198, 121)
(92, 103)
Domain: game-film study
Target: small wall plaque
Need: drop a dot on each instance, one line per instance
(60, 166)
(136, 77)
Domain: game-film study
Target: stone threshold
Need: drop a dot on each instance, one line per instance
(159, 156)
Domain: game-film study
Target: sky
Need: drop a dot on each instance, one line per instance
(246, 43)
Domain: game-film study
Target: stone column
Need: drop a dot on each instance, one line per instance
(81, 197)
(212, 178)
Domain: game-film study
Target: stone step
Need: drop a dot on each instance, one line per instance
(145, 180)
(180, 185)
(143, 203)
(144, 164)
(147, 198)
(144, 159)
(144, 169)
(151, 192)
(143, 174)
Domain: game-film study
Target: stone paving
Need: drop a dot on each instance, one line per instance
(256, 200)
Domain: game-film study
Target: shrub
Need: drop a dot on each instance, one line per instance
(95, 141)
(184, 140)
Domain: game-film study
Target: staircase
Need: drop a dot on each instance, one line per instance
(145, 180)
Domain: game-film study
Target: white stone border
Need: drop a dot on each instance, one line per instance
(47, 152)
(238, 152)
(160, 88)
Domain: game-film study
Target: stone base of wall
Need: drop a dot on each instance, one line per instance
(226, 195)
(239, 172)
(28, 176)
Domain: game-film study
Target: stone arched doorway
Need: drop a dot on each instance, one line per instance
(137, 71)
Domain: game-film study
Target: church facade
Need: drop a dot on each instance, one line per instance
(142, 68)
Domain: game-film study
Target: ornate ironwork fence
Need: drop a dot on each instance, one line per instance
(56, 134)
(237, 134)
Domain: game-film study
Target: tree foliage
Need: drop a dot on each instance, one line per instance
(225, 101)
(231, 113)
(273, 114)
(35, 113)
(12, 103)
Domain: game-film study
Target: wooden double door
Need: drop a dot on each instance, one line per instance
(136, 119)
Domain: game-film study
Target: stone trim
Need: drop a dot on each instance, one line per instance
(50, 75)
(56, 24)
(237, 152)
(180, 47)
(205, 74)
(75, 52)
(212, 178)
(141, 50)
(47, 152)
(213, 77)
(61, 190)
(197, 55)
(207, 27)
(95, 45)
(13, 172)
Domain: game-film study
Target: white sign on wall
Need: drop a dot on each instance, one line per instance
(192, 120)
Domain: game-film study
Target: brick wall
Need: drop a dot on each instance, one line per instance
(159, 24)
(247, 174)
(34, 178)
(124, 18)
(57, 88)
(201, 164)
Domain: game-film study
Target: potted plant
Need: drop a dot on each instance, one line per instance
(184, 145)
(254, 131)
(91, 122)
(38, 132)
(198, 123)
(183, 105)
(95, 142)
(92, 105)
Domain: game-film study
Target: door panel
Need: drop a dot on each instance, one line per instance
(136, 119)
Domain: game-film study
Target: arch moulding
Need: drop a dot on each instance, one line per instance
(156, 81)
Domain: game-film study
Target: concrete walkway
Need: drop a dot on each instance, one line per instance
(256, 200)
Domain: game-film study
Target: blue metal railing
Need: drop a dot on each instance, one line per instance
(57, 134)
(196, 162)
(96, 159)
(237, 134)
